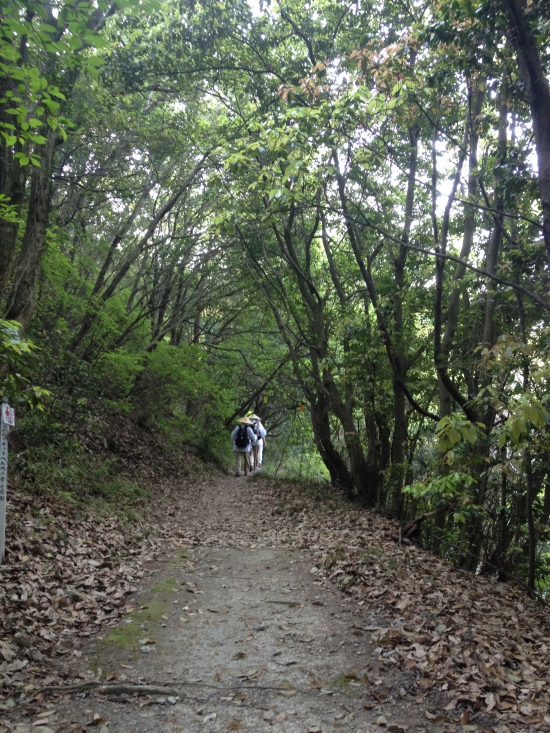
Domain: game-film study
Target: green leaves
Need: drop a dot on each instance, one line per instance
(453, 430)
(8, 212)
(451, 486)
(49, 52)
(527, 415)
(16, 367)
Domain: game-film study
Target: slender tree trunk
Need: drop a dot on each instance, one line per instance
(12, 186)
(495, 241)
(538, 95)
(347, 406)
(469, 224)
(503, 540)
(442, 344)
(530, 493)
(440, 519)
(336, 466)
(480, 452)
(532, 532)
(545, 514)
(320, 404)
(197, 326)
(400, 428)
(445, 399)
(343, 407)
(13, 176)
(23, 292)
(98, 299)
(363, 480)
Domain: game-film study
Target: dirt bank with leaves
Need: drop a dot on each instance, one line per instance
(264, 606)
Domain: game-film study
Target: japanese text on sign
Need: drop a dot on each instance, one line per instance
(3, 467)
(8, 415)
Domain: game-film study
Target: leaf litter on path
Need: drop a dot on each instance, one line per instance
(474, 650)
(470, 643)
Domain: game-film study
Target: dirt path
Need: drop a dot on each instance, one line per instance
(238, 623)
(281, 608)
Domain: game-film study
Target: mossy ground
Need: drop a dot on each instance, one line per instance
(135, 626)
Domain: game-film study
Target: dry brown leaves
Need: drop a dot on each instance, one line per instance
(67, 574)
(478, 648)
(482, 643)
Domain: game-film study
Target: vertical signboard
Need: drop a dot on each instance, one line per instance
(8, 418)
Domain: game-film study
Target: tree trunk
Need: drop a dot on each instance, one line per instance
(469, 224)
(23, 293)
(495, 241)
(12, 186)
(499, 556)
(12, 175)
(530, 496)
(336, 466)
(538, 95)
(378, 451)
(530, 491)
(363, 480)
(442, 344)
(445, 400)
(545, 514)
(400, 428)
(98, 299)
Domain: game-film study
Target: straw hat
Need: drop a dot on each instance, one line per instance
(245, 420)
(255, 417)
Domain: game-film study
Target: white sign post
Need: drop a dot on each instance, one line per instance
(8, 418)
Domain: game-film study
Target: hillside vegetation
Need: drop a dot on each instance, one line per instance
(333, 214)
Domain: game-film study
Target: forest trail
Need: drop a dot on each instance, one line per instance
(241, 626)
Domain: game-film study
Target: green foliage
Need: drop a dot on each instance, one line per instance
(8, 212)
(256, 203)
(178, 391)
(528, 415)
(293, 457)
(453, 488)
(17, 368)
(450, 487)
(120, 369)
(455, 432)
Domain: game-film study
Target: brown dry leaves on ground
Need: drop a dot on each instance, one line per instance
(478, 648)
(482, 643)
(67, 575)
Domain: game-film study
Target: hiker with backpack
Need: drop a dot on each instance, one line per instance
(259, 444)
(242, 438)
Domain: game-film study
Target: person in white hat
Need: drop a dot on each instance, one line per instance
(259, 442)
(242, 438)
